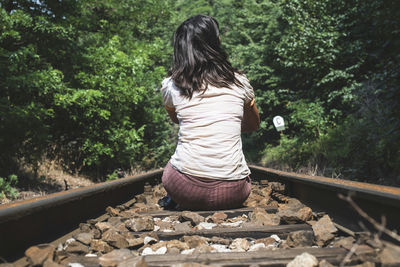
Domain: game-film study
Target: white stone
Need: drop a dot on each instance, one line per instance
(75, 264)
(90, 255)
(167, 219)
(220, 248)
(233, 224)
(240, 245)
(257, 247)
(161, 251)
(148, 239)
(206, 225)
(156, 219)
(167, 230)
(147, 251)
(277, 239)
(156, 227)
(187, 251)
(67, 242)
(303, 260)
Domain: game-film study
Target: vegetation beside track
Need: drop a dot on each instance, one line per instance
(79, 83)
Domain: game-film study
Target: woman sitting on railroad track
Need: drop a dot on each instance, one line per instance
(213, 103)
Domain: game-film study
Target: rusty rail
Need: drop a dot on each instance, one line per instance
(321, 194)
(44, 219)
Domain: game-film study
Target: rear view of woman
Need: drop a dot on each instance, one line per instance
(213, 103)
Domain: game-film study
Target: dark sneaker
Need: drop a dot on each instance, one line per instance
(167, 203)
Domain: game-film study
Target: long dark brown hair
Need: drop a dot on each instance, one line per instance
(199, 59)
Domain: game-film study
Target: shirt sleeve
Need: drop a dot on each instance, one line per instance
(167, 94)
(248, 90)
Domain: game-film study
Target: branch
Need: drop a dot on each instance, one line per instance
(378, 226)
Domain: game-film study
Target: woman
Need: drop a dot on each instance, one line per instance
(213, 103)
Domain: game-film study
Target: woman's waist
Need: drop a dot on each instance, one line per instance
(211, 169)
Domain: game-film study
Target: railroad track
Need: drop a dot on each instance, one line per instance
(281, 221)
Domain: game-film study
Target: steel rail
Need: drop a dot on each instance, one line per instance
(45, 219)
(321, 195)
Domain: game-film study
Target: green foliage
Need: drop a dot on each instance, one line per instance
(79, 82)
(7, 188)
(113, 175)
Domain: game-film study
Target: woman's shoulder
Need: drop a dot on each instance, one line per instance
(168, 84)
(243, 80)
(241, 77)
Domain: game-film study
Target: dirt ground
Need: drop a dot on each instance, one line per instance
(51, 179)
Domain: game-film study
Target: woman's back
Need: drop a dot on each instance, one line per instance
(213, 104)
(209, 142)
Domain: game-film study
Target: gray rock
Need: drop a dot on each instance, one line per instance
(115, 221)
(84, 238)
(183, 227)
(173, 251)
(177, 244)
(293, 216)
(144, 223)
(257, 247)
(260, 217)
(195, 241)
(37, 255)
(164, 225)
(77, 247)
(85, 227)
(240, 245)
(96, 233)
(303, 260)
(103, 226)
(205, 225)
(203, 249)
(115, 239)
(135, 242)
(100, 246)
(192, 217)
(345, 242)
(129, 214)
(277, 187)
(115, 257)
(267, 241)
(300, 239)
(324, 230)
(112, 212)
(218, 217)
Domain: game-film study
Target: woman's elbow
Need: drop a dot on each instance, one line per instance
(250, 127)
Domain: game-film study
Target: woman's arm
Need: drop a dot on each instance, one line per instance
(251, 118)
(172, 114)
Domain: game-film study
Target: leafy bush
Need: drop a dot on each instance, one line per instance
(7, 187)
(113, 175)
